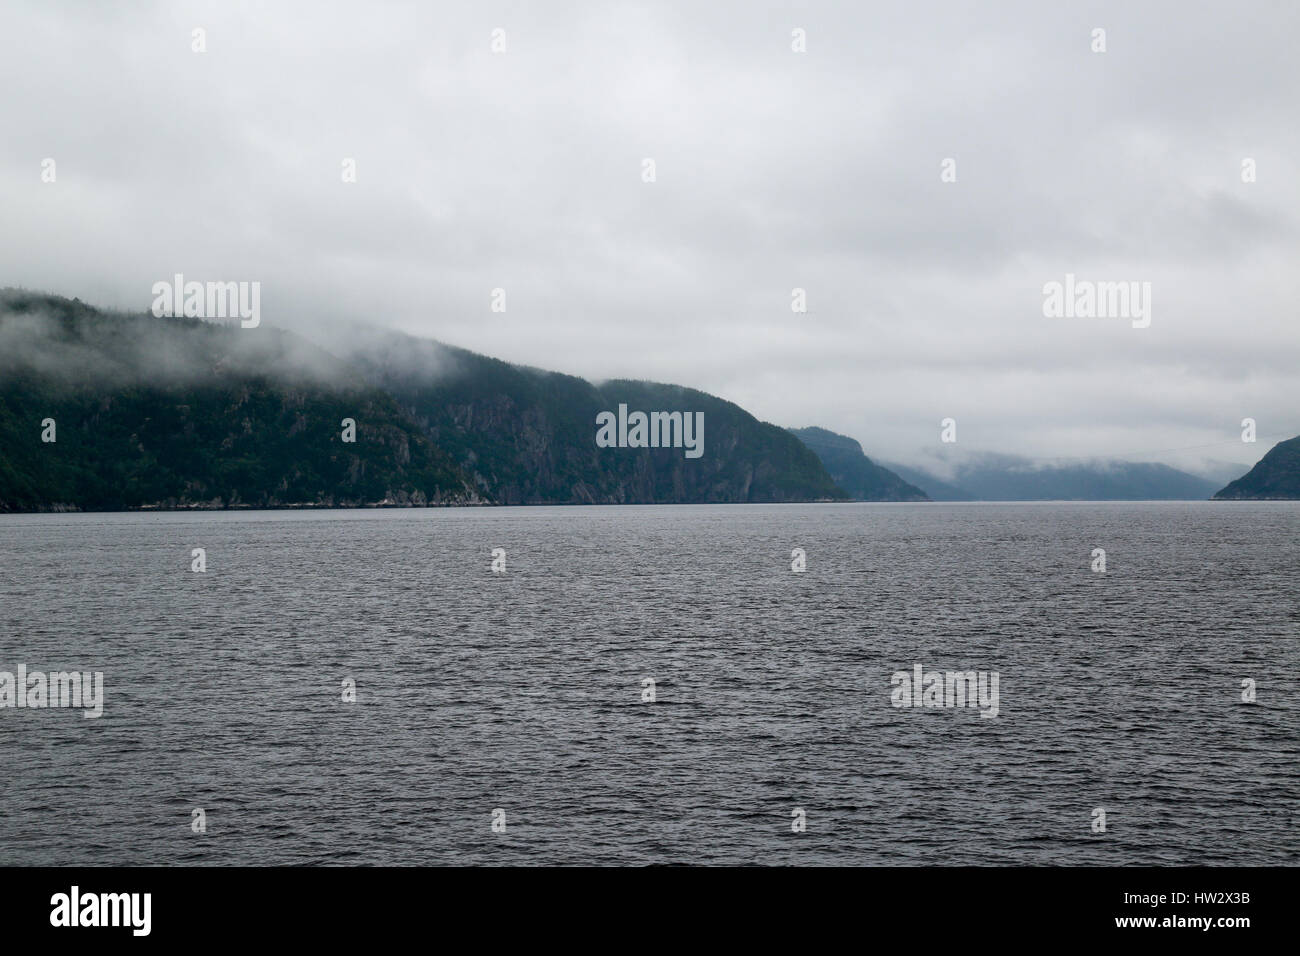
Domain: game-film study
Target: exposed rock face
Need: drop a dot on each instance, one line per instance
(853, 471)
(177, 413)
(528, 436)
(180, 413)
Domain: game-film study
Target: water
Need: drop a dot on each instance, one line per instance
(522, 691)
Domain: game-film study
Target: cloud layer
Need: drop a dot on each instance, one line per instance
(775, 170)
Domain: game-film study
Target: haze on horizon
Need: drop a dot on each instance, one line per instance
(775, 170)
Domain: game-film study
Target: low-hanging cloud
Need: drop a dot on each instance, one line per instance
(775, 170)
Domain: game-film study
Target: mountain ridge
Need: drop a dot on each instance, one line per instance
(851, 469)
(167, 412)
(184, 413)
(1276, 476)
(527, 435)
(997, 477)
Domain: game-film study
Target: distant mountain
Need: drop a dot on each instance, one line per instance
(1276, 475)
(527, 436)
(178, 413)
(853, 471)
(936, 488)
(1219, 473)
(991, 477)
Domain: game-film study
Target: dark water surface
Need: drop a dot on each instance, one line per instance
(522, 690)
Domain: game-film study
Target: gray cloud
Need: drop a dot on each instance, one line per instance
(775, 170)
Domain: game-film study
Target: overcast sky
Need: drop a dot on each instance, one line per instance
(775, 170)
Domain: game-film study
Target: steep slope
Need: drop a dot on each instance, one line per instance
(529, 436)
(1220, 473)
(167, 412)
(162, 412)
(1276, 475)
(934, 487)
(852, 470)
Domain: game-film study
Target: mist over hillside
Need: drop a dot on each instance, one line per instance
(176, 412)
(163, 412)
(858, 475)
(526, 435)
(995, 477)
(172, 413)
